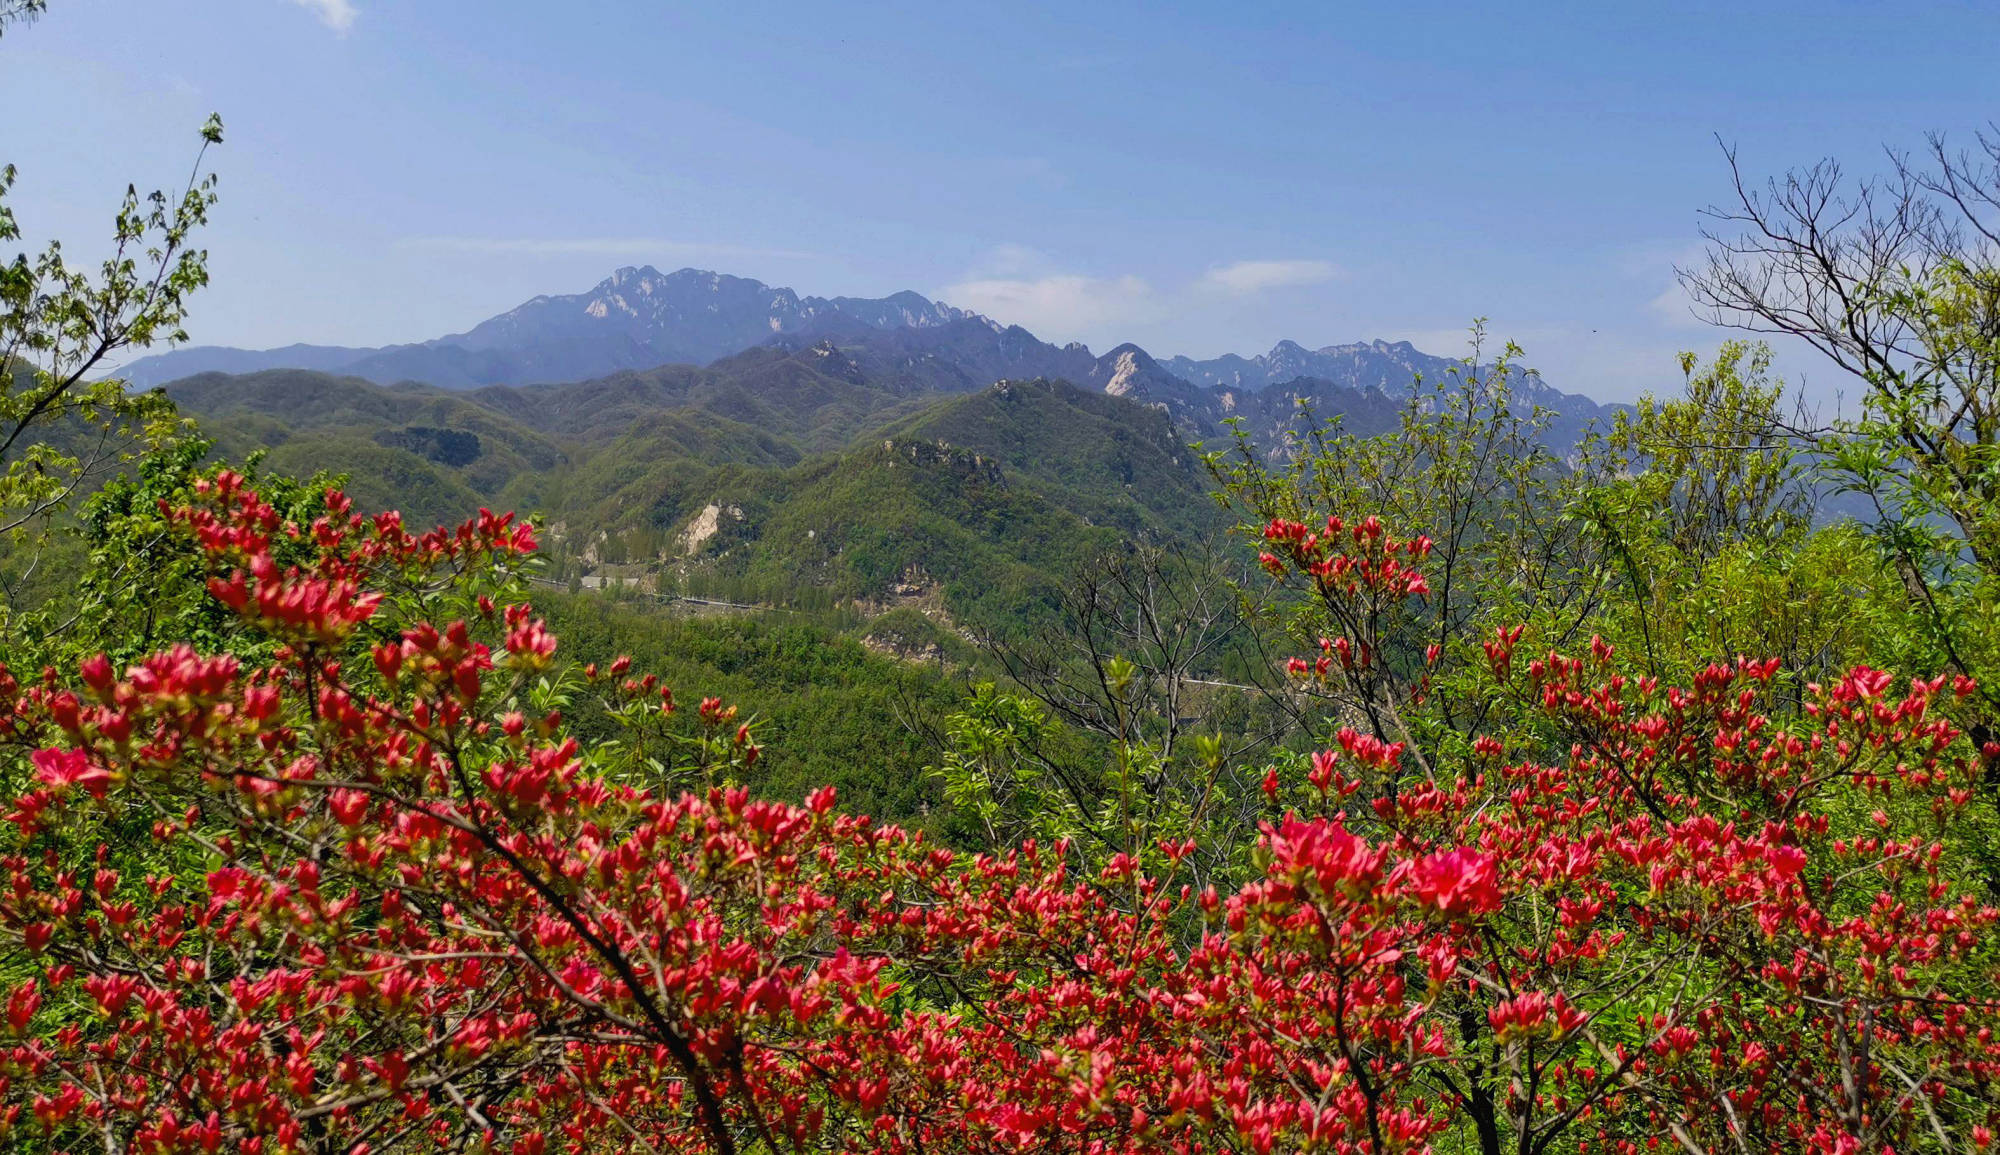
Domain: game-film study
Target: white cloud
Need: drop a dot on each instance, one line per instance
(1657, 263)
(1675, 309)
(1647, 259)
(632, 248)
(1246, 277)
(1022, 285)
(1011, 261)
(1061, 307)
(335, 14)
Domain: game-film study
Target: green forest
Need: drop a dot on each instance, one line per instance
(848, 745)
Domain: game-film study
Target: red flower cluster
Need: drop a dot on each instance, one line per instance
(1361, 557)
(382, 908)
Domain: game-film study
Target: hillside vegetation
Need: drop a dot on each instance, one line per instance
(781, 478)
(858, 752)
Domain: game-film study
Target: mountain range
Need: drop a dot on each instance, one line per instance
(697, 435)
(640, 319)
(635, 319)
(1384, 365)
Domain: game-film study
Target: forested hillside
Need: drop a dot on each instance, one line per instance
(945, 463)
(652, 480)
(696, 717)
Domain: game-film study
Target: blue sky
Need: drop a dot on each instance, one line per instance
(1198, 178)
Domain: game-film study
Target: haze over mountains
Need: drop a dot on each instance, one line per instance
(700, 434)
(640, 318)
(635, 319)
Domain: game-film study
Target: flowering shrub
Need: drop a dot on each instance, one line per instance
(373, 894)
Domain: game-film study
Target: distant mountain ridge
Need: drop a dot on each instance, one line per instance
(1385, 365)
(639, 320)
(841, 460)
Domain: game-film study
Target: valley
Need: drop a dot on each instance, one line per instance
(851, 449)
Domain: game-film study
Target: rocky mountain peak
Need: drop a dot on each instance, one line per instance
(630, 275)
(902, 344)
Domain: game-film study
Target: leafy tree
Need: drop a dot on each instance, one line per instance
(134, 584)
(1897, 282)
(1714, 466)
(61, 432)
(1130, 716)
(1468, 477)
(58, 326)
(1703, 511)
(315, 843)
(416, 913)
